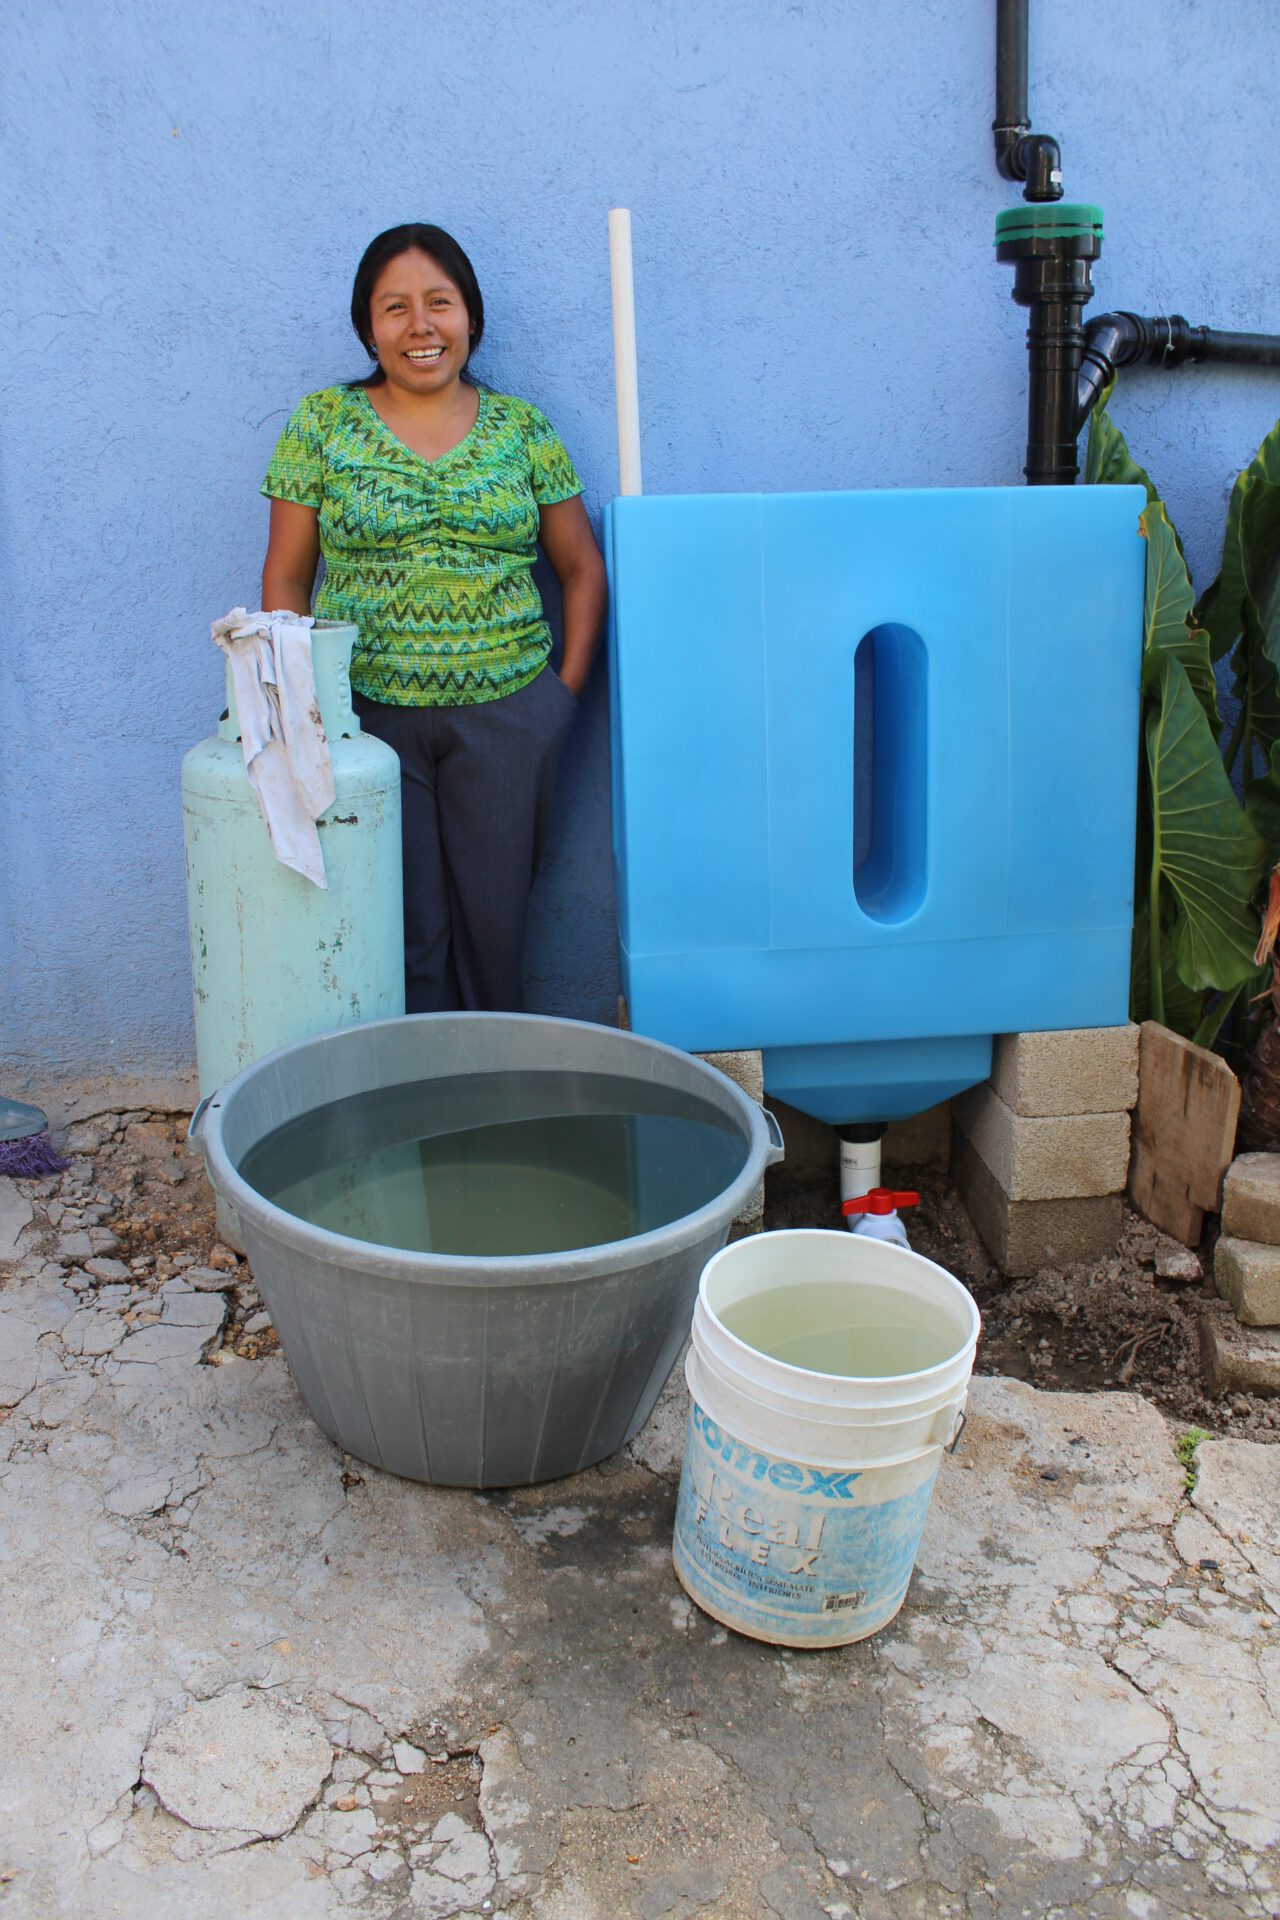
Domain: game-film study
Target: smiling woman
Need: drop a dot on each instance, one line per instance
(427, 497)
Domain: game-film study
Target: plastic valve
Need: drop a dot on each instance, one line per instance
(880, 1200)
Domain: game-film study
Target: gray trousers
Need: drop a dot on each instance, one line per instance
(475, 787)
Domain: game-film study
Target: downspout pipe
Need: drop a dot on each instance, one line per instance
(1051, 248)
(1124, 339)
(1020, 154)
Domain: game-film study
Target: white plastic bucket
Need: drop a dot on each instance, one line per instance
(804, 1493)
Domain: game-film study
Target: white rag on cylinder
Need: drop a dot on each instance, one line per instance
(286, 754)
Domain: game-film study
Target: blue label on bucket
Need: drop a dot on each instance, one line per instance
(791, 1552)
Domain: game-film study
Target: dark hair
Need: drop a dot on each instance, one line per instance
(443, 249)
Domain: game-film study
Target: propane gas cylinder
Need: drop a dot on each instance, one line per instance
(273, 957)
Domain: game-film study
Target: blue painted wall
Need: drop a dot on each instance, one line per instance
(818, 306)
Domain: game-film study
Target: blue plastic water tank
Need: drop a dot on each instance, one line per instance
(874, 765)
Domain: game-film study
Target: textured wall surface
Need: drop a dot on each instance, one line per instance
(818, 306)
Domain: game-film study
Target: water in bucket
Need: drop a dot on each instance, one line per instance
(498, 1163)
(867, 1333)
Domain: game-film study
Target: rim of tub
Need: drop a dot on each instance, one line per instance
(762, 1133)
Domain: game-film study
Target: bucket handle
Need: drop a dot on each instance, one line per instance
(193, 1125)
(777, 1145)
(956, 1432)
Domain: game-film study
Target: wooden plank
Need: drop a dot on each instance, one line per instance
(1184, 1132)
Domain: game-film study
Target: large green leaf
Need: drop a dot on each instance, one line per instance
(1177, 1005)
(1256, 660)
(1108, 461)
(1167, 610)
(1170, 600)
(1221, 608)
(1204, 848)
(1260, 561)
(1262, 804)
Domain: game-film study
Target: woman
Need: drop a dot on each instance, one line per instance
(427, 497)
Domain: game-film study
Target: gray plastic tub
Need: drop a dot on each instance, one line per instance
(474, 1372)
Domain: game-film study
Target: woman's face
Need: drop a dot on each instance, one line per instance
(419, 323)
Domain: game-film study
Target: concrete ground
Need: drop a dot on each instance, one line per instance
(244, 1674)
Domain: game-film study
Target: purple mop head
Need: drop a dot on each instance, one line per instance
(26, 1151)
(30, 1159)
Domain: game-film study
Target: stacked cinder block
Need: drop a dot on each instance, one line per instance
(746, 1069)
(1040, 1153)
(1242, 1339)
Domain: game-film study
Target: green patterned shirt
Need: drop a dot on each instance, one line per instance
(431, 559)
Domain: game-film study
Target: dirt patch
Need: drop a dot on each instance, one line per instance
(1112, 1323)
(138, 1191)
(448, 1783)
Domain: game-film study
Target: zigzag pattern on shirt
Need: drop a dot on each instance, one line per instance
(461, 652)
(431, 559)
(411, 603)
(381, 512)
(442, 686)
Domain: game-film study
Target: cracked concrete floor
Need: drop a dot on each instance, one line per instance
(244, 1674)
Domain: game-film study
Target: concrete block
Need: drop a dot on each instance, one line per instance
(746, 1069)
(1023, 1236)
(1251, 1198)
(1066, 1158)
(1248, 1277)
(1077, 1070)
(1238, 1359)
(922, 1141)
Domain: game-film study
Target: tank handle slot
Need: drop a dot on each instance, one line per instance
(890, 772)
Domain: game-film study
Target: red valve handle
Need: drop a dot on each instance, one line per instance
(880, 1200)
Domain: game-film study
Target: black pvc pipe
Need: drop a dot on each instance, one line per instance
(1011, 120)
(1020, 154)
(1054, 341)
(1124, 339)
(1240, 349)
(1052, 280)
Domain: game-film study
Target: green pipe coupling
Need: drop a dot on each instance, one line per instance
(1048, 220)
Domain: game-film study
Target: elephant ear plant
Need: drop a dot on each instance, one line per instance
(1242, 614)
(1201, 851)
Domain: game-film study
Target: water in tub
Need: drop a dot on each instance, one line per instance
(493, 1164)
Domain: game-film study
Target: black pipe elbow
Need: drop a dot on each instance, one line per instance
(1033, 157)
(1041, 159)
(1114, 340)
(1111, 340)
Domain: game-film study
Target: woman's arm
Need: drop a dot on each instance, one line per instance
(293, 554)
(570, 546)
